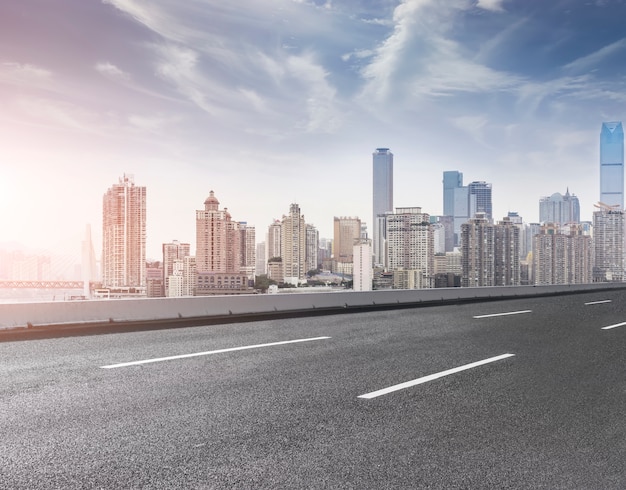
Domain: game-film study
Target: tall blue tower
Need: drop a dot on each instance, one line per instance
(612, 164)
(382, 197)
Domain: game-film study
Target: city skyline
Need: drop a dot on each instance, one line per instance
(266, 112)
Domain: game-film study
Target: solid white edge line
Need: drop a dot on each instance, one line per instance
(503, 314)
(599, 302)
(614, 326)
(431, 377)
(206, 353)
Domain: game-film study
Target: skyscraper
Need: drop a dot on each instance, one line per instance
(124, 235)
(293, 239)
(560, 258)
(362, 265)
(346, 230)
(382, 196)
(218, 251)
(312, 247)
(410, 245)
(490, 253)
(464, 202)
(218, 242)
(612, 164)
(559, 209)
(608, 241)
(171, 253)
(452, 180)
(480, 199)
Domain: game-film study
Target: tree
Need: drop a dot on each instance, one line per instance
(263, 282)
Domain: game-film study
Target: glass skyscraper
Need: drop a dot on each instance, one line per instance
(382, 196)
(612, 164)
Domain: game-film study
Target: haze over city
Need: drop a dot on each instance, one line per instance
(269, 103)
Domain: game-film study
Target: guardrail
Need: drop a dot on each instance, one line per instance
(112, 315)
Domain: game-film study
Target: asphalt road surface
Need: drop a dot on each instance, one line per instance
(527, 393)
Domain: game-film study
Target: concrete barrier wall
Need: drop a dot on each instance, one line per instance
(22, 315)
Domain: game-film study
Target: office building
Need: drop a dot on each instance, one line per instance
(293, 240)
(559, 209)
(154, 280)
(410, 244)
(479, 193)
(464, 202)
(346, 231)
(382, 195)
(124, 236)
(608, 241)
(612, 164)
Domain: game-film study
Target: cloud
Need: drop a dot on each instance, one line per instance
(585, 63)
(23, 74)
(420, 58)
(321, 115)
(112, 72)
(491, 5)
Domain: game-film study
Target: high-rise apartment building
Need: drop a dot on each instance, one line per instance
(293, 239)
(560, 258)
(218, 241)
(382, 196)
(273, 244)
(608, 241)
(218, 251)
(362, 274)
(124, 235)
(478, 252)
(172, 252)
(247, 252)
(312, 247)
(490, 253)
(612, 164)
(507, 255)
(410, 244)
(261, 262)
(559, 209)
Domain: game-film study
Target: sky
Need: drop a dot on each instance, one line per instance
(271, 102)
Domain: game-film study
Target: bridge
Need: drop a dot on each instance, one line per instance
(43, 285)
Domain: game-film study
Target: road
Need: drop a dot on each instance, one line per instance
(527, 393)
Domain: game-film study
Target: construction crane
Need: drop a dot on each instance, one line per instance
(607, 207)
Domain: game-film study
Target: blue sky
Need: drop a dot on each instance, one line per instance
(279, 101)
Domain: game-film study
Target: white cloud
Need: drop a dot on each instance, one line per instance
(590, 61)
(321, 113)
(491, 5)
(419, 59)
(23, 74)
(112, 72)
